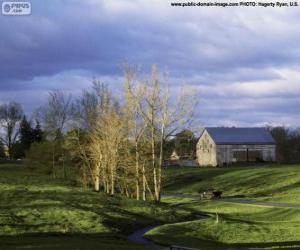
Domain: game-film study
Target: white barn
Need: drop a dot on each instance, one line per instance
(224, 146)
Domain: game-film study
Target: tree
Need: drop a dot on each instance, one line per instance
(38, 134)
(88, 110)
(163, 117)
(185, 144)
(10, 116)
(55, 116)
(287, 144)
(56, 113)
(135, 124)
(77, 144)
(27, 136)
(107, 139)
(2, 151)
(26, 133)
(281, 136)
(40, 157)
(91, 105)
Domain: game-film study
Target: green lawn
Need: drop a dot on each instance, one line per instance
(239, 226)
(274, 183)
(37, 212)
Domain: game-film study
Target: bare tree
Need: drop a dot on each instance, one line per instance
(56, 113)
(163, 116)
(10, 116)
(106, 142)
(91, 105)
(55, 116)
(136, 124)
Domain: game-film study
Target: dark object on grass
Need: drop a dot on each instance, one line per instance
(211, 194)
(216, 195)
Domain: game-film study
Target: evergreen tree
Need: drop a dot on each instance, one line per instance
(27, 136)
(2, 151)
(26, 133)
(38, 134)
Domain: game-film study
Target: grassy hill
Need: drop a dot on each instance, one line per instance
(234, 226)
(276, 183)
(37, 212)
(238, 227)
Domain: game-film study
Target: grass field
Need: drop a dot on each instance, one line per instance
(274, 183)
(37, 212)
(239, 226)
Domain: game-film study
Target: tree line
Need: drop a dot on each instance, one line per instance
(17, 132)
(112, 142)
(288, 144)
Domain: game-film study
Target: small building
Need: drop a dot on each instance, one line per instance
(223, 146)
(180, 160)
(174, 156)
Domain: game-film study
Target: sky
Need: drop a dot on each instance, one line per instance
(243, 61)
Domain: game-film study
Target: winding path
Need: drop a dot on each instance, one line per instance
(237, 200)
(138, 235)
(261, 203)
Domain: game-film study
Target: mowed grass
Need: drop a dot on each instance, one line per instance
(239, 226)
(279, 183)
(37, 212)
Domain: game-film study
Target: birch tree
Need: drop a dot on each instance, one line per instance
(136, 124)
(163, 116)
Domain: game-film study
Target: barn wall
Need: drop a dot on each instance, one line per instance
(225, 153)
(206, 151)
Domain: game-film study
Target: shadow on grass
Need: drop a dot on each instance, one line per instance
(57, 241)
(113, 213)
(213, 245)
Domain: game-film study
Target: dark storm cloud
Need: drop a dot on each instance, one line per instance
(79, 35)
(231, 53)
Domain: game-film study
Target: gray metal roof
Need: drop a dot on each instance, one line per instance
(238, 136)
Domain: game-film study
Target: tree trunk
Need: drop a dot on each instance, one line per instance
(112, 176)
(53, 164)
(153, 161)
(97, 178)
(107, 187)
(64, 167)
(137, 171)
(161, 160)
(144, 183)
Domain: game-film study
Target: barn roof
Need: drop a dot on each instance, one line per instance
(238, 136)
